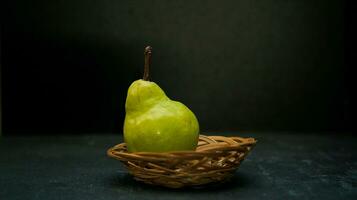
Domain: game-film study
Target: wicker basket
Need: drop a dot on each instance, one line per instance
(215, 160)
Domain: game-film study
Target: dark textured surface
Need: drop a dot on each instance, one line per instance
(282, 166)
(265, 65)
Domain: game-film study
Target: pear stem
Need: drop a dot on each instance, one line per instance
(147, 56)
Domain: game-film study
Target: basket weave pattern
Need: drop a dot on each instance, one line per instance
(215, 160)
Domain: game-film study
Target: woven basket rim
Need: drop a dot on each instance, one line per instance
(249, 141)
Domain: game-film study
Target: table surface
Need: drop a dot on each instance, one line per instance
(282, 166)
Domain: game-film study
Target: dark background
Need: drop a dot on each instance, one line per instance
(239, 65)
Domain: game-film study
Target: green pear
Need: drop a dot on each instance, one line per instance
(155, 123)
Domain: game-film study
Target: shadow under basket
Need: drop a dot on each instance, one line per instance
(215, 160)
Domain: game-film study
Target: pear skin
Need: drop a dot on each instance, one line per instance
(155, 123)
